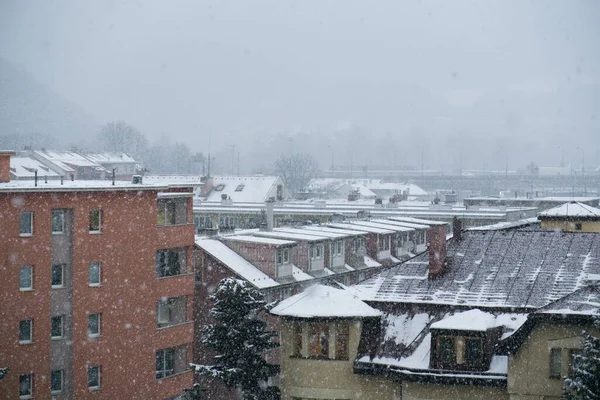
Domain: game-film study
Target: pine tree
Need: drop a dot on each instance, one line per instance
(239, 338)
(585, 382)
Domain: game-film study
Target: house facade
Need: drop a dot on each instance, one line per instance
(571, 217)
(97, 289)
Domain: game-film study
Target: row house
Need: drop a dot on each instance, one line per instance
(97, 288)
(378, 241)
(494, 314)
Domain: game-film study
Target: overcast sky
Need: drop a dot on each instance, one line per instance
(184, 68)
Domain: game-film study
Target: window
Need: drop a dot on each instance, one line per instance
(358, 244)
(454, 351)
(26, 223)
(58, 222)
(219, 187)
(384, 242)
(283, 256)
(56, 327)
(25, 386)
(555, 363)
(240, 187)
(573, 360)
(94, 325)
(58, 272)
(165, 363)
(578, 226)
(94, 278)
(338, 247)
(56, 381)
(26, 331)
(341, 342)
(171, 311)
(297, 340)
(319, 340)
(170, 262)
(95, 220)
(316, 251)
(94, 378)
(26, 278)
(473, 350)
(445, 349)
(172, 211)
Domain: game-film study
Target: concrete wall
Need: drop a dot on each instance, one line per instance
(569, 226)
(529, 369)
(416, 390)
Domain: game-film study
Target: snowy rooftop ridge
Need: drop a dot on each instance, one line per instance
(572, 209)
(320, 301)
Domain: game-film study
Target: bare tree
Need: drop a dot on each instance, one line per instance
(296, 170)
(121, 137)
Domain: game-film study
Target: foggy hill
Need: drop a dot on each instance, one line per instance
(33, 114)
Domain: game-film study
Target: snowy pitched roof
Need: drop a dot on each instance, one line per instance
(67, 160)
(25, 167)
(523, 269)
(322, 228)
(585, 301)
(319, 233)
(110, 157)
(244, 189)
(76, 185)
(292, 236)
(355, 225)
(527, 223)
(236, 263)
(419, 221)
(472, 320)
(571, 210)
(320, 301)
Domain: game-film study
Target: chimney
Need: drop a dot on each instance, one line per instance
(270, 211)
(207, 186)
(5, 156)
(437, 250)
(456, 228)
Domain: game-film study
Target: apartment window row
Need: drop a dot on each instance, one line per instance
(26, 222)
(57, 276)
(556, 364)
(57, 378)
(57, 327)
(324, 340)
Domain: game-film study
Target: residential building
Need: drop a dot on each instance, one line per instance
(243, 189)
(571, 217)
(541, 203)
(492, 314)
(97, 292)
(123, 165)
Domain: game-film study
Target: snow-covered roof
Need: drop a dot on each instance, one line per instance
(320, 301)
(67, 160)
(236, 263)
(25, 167)
(419, 221)
(514, 268)
(244, 189)
(585, 301)
(472, 320)
(76, 185)
(312, 232)
(355, 225)
(259, 239)
(396, 225)
(364, 191)
(193, 180)
(110, 157)
(324, 229)
(292, 236)
(571, 210)
(522, 223)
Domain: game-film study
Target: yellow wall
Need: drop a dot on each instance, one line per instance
(416, 390)
(329, 379)
(529, 369)
(569, 226)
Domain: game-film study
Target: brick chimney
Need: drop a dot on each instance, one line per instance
(437, 250)
(456, 228)
(5, 156)
(270, 213)
(207, 186)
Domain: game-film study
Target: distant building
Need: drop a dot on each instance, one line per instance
(571, 217)
(97, 288)
(123, 165)
(69, 164)
(25, 168)
(254, 189)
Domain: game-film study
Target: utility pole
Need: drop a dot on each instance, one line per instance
(422, 164)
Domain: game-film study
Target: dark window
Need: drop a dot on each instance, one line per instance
(26, 223)
(58, 275)
(555, 363)
(56, 381)
(473, 350)
(26, 277)
(578, 226)
(26, 331)
(319, 340)
(25, 386)
(446, 353)
(95, 220)
(94, 324)
(220, 187)
(297, 341)
(240, 187)
(58, 221)
(94, 274)
(170, 262)
(56, 327)
(172, 211)
(165, 363)
(94, 377)
(341, 342)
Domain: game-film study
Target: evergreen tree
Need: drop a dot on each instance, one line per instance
(585, 382)
(239, 338)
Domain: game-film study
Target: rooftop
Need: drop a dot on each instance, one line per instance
(572, 209)
(76, 185)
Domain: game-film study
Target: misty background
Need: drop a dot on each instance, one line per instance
(452, 84)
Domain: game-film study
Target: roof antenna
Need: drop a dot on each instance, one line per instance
(35, 171)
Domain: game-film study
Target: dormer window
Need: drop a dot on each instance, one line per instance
(220, 187)
(283, 255)
(459, 350)
(240, 187)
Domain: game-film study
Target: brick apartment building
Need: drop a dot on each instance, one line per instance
(97, 289)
